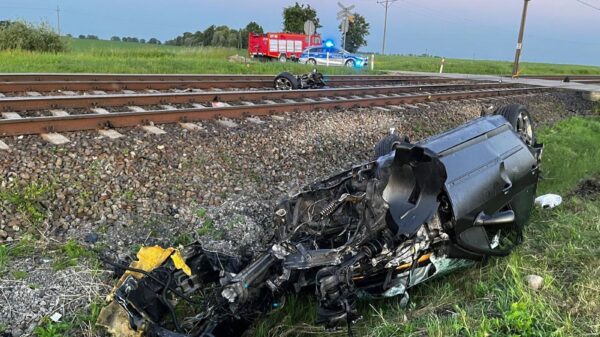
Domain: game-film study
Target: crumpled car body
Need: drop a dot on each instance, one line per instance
(375, 230)
(288, 81)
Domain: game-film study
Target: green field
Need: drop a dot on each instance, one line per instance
(98, 56)
(432, 64)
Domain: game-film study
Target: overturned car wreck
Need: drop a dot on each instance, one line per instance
(288, 81)
(417, 211)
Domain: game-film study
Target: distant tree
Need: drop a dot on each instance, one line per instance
(115, 38)
(295, 16)
(153, 41)
(142, 41)
(219, 38)
(92, 37)
(81, 36)
(207, 35)
(198, 38)
(254, 28)
(357, 33)
(233, 39)
(187, 39)
(134, 39)
(69, 35)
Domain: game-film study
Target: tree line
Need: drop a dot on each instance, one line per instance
(294, 18)
(218, 36)
(116, 38)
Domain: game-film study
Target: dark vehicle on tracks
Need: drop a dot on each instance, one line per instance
(417, 211)
(287, 81)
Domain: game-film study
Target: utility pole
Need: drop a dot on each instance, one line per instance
(386, 4)
(58, 19)
(515, 71)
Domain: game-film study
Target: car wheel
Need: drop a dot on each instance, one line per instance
(388, 144)
(285, 81)
(282, 58)
(311, 61)
(519, 118)
(350, 63)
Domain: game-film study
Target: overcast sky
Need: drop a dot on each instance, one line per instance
(559, 31)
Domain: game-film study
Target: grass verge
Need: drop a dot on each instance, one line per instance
(561, 245)
(98, 56)
(504, 68)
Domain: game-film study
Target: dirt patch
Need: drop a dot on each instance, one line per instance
(588, 189)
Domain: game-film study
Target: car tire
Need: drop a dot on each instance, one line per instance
(350, 63)
(282, 58)
(519, 118)
(311, 62)
(285, 81)
(388, 144)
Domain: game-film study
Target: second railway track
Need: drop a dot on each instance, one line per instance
(74, 84)
(14, 104)
(18, 125)
(58, 86)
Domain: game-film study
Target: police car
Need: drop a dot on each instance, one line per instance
(327, 54)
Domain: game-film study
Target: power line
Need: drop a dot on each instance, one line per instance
(588, 4)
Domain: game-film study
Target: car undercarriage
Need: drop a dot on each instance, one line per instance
(287, 81)
(415, 212)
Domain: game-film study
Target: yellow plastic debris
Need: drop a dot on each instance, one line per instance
(113, 317)
(150, 258)
(179, 263)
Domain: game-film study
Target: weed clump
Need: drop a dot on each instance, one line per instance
(19, 35)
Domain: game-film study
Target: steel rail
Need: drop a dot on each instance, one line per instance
(36, 125)
(204, 84)
(14, 104)
(19, 77)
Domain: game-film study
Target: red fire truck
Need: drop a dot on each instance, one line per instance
(282, 46)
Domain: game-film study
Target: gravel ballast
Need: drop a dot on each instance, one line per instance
(222, 182)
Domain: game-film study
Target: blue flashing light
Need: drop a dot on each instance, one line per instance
(328, 43)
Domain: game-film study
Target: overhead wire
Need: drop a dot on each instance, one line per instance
(588, 4)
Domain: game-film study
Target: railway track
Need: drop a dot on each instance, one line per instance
(15, 104)
(71, 86)
(328, 99)
(41, 77)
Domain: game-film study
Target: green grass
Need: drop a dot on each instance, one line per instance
(432, 64)
(27, 199)
(99, 56)
(71, 254)
(84, 321)
(572, 152)
(561, 245)
(64, 255)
